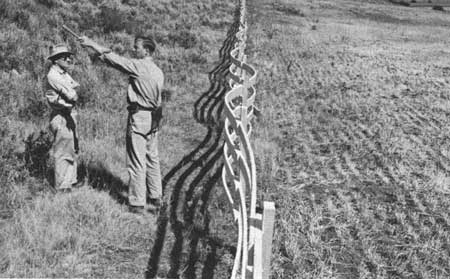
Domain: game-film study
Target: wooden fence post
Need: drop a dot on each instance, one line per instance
(268, 223)
(257, 235)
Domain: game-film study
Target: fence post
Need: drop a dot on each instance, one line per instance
(257, 256)
(267, 234)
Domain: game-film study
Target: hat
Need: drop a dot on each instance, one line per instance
(58, 50)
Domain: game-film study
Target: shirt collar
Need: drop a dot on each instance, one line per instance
(59, 69)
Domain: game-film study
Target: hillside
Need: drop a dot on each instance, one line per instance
(89, 233)
(351, 143)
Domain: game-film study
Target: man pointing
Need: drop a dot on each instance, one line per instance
(144, 112)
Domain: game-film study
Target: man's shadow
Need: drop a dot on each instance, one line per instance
(192, 180)
(38, 162)
(101, 178)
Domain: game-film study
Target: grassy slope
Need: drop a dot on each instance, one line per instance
(355, 102)
(89, 233)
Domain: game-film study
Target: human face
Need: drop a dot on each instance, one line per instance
(65, 62)
(139, 49)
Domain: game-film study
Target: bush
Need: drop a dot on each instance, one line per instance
(11, 50)
(114, 19)
(183, 38)
(49, 3)
(35, 106)
(288, 9)
(12, 171)
(197, 58)
(37, 147)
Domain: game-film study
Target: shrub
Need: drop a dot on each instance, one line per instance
(49, 3)
(35, 105)
(114, 18)
(11, 48)
(12, 171)
(37, 146)
(183, 38)
(197, 58)
(111, 19)
(289, 10)
(21, 18)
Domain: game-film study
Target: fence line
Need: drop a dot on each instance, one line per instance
(423, 3)
(252, 259)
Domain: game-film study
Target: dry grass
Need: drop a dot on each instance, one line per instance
(80, 233)
(355, 98)
(352, 142)
(89, 233)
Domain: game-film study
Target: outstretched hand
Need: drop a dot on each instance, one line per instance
(86, 42)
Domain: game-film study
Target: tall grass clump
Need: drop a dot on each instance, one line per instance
(73, 235)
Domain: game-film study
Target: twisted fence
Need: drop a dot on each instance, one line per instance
(252, 259)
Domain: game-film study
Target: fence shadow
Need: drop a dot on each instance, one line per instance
(193, 179)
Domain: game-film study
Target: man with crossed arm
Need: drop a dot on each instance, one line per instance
(61, 96)
(144, 106)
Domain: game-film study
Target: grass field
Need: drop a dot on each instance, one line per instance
(355, 99)
(351, 144)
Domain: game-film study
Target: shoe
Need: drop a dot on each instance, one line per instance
(78, 184)
(64, 190)
(136, 209)
(155, 202)
(154, 205)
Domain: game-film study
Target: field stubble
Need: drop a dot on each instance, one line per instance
(355, 103)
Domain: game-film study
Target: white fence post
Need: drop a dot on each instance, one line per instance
(258, 265)
(268, 223)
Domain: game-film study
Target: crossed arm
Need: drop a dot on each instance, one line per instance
(67, 93)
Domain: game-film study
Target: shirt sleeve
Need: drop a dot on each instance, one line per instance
(121, 63)
(59, 86)
(54, 99)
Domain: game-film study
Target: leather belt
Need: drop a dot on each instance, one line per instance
(134, 107)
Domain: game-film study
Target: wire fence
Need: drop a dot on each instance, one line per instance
(252, 259)
(423, 3)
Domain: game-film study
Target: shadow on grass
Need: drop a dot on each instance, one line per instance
(37, 161)
(101, 178)
(37, 157)
(195, 176)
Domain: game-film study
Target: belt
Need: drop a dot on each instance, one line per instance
(62, 111)
(134, 107)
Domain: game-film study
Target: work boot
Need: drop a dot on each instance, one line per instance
(78, 184)
(64, 190)
(136, 209)
(154, 205)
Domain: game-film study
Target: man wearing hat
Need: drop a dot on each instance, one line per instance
(144, 106)
(61, 96)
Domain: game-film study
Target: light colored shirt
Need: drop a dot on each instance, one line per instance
(146, 80)
(60, 91)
